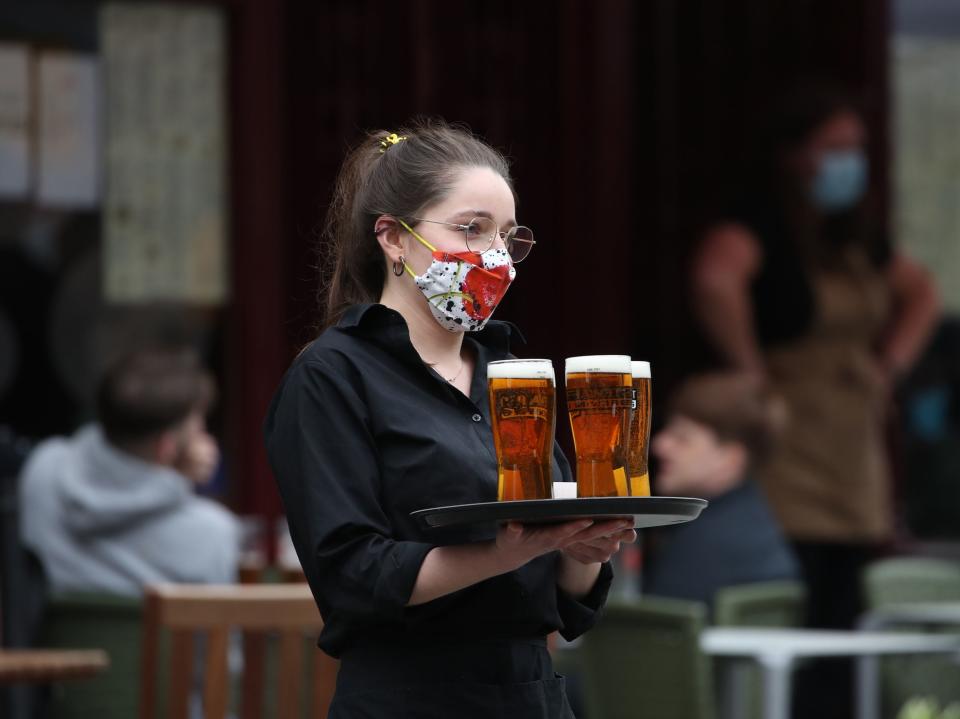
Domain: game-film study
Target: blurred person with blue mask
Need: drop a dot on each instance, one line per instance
(798, 284)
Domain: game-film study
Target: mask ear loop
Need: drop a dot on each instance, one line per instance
(417, 235)
(421, 240)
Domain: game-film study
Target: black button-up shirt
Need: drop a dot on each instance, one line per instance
(360, 433)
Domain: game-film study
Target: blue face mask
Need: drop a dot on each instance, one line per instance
(841, 180)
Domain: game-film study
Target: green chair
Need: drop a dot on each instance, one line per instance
(777, 604)
(901, 580)
(643, 659)
(761, 604)
(96, 621)
(911, 580)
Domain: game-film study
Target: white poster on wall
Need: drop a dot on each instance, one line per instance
(927, 156)
(165, 207)
(14, 121)
(68, 130)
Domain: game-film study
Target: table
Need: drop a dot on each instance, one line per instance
(868, 670)
(777, 650)
(45, 665)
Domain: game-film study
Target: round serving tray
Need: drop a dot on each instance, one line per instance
(646, 511)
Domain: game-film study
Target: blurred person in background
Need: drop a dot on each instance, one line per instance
(799, 286)
(719, 428)
(113, 508)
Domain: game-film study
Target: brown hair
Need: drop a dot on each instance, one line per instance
(735, 406)
(151, 391)
(397, 179)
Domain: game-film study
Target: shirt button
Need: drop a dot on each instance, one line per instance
(477, 418)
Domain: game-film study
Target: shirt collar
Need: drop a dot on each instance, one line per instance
(496, 335)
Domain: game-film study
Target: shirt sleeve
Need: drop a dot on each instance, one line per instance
(327, 467)
(579, 615)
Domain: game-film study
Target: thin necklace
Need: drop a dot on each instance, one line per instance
(449, 379)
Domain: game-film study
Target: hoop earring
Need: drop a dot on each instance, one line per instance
(398, 267)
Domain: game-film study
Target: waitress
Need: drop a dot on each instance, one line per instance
(386, 412)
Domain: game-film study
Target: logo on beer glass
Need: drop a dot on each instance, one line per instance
(523, 408)
(599, 402)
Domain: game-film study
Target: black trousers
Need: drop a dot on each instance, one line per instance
(824, 689)
(509, 679)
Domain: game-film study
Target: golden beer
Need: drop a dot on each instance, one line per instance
(523, 399)
(640, 430)
(599, 401)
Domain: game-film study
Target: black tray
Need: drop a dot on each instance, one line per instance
(646, 511)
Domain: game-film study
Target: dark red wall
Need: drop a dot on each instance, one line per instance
(622, 120)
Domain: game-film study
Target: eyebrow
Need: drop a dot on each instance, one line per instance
(471, 212)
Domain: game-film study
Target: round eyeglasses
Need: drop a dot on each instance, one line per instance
(481, 232)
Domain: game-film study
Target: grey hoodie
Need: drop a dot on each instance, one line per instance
(100, 519)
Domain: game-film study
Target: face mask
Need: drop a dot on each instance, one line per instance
(463, 288)
(841, 180)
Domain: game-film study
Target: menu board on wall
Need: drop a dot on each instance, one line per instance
(14, 120)
(927, 162)
(68, 128)
(166, 195)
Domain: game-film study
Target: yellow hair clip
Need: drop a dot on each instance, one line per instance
(391, 139)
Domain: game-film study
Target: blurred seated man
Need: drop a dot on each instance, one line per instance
(719, 428)
(113, 508)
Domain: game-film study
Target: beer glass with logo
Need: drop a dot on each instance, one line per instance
(523, 409)
(599, 401)
(640, 430)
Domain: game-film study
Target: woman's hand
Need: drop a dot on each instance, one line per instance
(450, 568)
(600, 549)
(580, 560)
(517, 543)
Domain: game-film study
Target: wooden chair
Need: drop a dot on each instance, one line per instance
(213, 611)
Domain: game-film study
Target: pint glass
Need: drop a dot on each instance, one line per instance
(599, 401)
(523, 410)
(640, 430)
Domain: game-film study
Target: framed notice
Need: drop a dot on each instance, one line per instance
(15, 174)
(165, 205)
(68, 129)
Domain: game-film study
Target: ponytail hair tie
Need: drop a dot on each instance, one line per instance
(390, 140)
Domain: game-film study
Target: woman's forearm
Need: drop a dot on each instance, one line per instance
(728, 259)
(575, 578)
(449, 569)
(917, 312)
(726, 314)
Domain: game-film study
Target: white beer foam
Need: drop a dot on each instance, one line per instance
(640, 369)
(521, 369)
(617, 364)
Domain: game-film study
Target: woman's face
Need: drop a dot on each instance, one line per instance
(693, 459)
(477, 192)
(842, 132)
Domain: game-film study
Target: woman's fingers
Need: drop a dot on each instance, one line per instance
(592, 541)
(599, 549)
(602, 529)
(588, 555)
(622, 537)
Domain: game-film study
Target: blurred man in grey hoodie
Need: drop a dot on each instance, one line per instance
(113, 507)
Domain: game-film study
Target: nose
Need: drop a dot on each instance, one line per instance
(660, 445)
